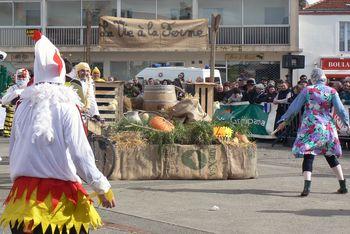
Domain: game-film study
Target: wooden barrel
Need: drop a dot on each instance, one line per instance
(158, 97)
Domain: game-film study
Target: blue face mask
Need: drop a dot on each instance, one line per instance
(22, 83)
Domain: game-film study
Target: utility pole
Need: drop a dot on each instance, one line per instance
(215, 22)
(88, 36)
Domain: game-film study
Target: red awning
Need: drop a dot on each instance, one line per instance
(337, 76)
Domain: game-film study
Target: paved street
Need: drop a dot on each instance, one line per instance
(269, 204)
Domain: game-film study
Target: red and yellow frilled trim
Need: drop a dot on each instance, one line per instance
(47, 202)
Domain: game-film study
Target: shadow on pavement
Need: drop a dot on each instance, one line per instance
(261, 192)
(310, 212)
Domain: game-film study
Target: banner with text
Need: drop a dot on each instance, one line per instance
(141, 34)
(260, 117)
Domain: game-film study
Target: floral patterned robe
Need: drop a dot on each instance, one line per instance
(317, 134)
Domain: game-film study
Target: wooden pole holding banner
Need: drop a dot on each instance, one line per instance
(215, 22)
(88, 36)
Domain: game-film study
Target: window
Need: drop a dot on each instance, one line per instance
(27, 13)
(136, 67)
(174, 9)
(98, 9)
(63, 13)
(119, 70)
(141, 9)
(344, 36)
(266, 12)
(5, 14)
(230, 10)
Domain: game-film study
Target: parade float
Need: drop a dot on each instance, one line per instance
(179, 142)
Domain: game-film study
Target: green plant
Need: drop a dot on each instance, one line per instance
(201, 133)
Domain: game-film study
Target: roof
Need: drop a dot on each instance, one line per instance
(328, 7)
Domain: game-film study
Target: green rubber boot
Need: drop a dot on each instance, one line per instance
(342, 189)
(307, 186)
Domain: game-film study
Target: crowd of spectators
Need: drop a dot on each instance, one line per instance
(343, 88)
(265, 90)
(243, 89)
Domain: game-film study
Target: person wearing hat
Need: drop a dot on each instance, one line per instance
(317, 134)
(50, 156)
(250, 93)
(12, 96)
(96, 75)
(89, 101)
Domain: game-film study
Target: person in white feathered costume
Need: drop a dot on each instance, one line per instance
(49, 153)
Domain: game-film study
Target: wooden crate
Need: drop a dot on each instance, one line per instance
(105, 93)
(204, 92)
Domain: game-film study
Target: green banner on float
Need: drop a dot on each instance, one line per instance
(259, 117)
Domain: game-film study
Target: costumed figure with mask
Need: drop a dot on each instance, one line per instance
(317, 134)
(11, 97)
(50, 156)
(88, 90)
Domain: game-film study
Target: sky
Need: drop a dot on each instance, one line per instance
(312, 1)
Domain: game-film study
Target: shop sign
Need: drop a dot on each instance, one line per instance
(139, 34)
(335, 63)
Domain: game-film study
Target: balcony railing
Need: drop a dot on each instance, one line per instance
(71, 36)
(76, 36)
(254, 35)
(14, 36)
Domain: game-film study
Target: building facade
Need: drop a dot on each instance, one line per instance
(325, 38)
(252, 38)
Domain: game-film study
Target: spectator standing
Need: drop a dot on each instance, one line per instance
(297, 89)
(241, 84)
(345, 93)
(337, 85)
(264, 81)
(270, 94)
(250, 93)
(150, 81)
(281, 99)
(219, 93)
(236, 96)
(260, 93)
(137, 84)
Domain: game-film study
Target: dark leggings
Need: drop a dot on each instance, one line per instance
(309, 159)
(18, 229)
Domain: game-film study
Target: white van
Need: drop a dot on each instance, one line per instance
(171, 73)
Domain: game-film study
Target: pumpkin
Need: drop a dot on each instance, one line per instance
(241, 137)
(161, 124)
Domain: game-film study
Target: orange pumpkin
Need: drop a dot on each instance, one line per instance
(161, 124)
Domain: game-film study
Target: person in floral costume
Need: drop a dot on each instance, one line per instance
(317, 134)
